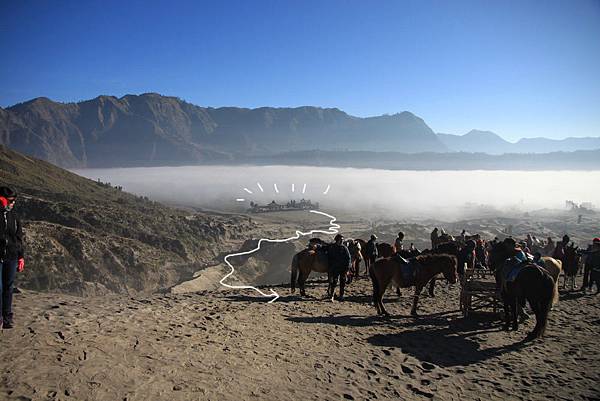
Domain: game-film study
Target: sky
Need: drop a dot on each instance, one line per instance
(517, 68)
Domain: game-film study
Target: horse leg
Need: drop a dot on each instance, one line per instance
(342, 285)
(301, 280)
(515, 313)
(431, 287)
(418, 290)
(380, 302)
(506, 313)
(398, 291)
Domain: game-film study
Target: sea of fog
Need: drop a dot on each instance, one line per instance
(402, 194)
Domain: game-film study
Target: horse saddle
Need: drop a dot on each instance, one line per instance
(408, 270)
(514, 272)
(518, 267)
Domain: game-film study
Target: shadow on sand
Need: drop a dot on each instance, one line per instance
(361, 321)
(457, 344)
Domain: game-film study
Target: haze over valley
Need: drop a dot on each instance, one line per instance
(364, 192)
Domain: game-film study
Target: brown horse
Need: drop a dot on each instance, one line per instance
(424, 267)
(385, 250)
(363, 253)
(303, 263)
(355, 256)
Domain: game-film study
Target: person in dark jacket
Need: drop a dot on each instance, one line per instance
(338, 258)
(371, 252)
(591, 272)
(11, 253)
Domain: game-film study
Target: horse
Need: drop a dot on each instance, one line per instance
(424, 267)
(532, 283)
(450, 248)
(363, 254)
(356, 256)
(306, 261)
(570, 261)
(385, 250)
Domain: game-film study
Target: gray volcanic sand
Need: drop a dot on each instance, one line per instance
(227, 345)
(204, 342)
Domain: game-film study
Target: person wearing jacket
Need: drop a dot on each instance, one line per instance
(591, 272)
(371, 251)
(11, 253)
(339, 261)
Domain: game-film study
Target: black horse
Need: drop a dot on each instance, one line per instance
(529, 283)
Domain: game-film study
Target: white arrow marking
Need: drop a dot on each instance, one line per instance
(247, 190)
(333, 229)
(304, 188)
(327, 190)
(293, 188)
(260, 187)
(276, 189)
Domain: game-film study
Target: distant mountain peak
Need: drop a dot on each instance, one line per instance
(481, 132)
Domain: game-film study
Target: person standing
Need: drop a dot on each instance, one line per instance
(372, 252)
(11, 253)
(339, 263)
(591, 272)
(434, 238)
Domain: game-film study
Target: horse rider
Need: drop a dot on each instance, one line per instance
(371, 251)
(591, 272)
(339, 262)
(559, 251)
(398, 245)
(434, 238)
(466, 255)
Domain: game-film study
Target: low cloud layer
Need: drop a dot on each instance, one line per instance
(401, 194)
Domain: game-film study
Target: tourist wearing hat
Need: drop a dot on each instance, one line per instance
(11, 253)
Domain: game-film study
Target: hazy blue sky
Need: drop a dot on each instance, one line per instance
(518, 68)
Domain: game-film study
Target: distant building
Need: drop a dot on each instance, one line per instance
(303, 204)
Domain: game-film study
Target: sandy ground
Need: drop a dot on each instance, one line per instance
(226, 345)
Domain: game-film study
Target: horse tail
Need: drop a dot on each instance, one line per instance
(375, 284)
(554, 265)
(546, 300)
(294, 273)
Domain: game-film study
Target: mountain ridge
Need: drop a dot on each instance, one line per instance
(151, 129)
(491, 143)
(155, 130)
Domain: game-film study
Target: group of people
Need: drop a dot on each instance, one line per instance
(531, 249)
